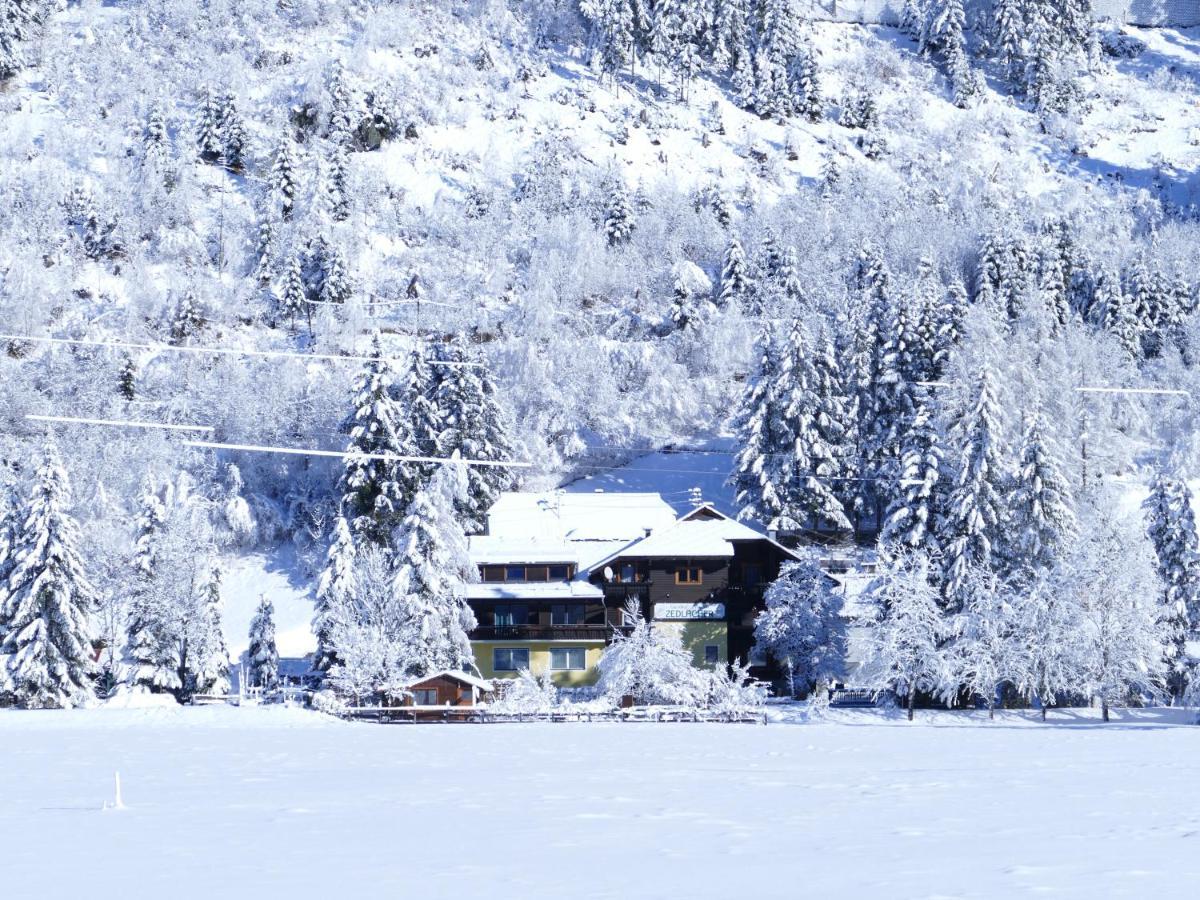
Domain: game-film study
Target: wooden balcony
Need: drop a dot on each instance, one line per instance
(542, 633)
(617, 594)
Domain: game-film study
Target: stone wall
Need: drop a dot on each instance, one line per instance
(1179, 13)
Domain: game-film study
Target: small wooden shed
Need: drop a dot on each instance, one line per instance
(448, 688)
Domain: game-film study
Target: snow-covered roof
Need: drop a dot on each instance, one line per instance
(557, 527)
(535, 590)
(699, 534)
(560, 517)
(465, 677)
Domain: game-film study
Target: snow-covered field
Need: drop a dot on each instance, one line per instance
(278, 803)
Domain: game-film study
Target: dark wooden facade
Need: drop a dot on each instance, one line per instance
(449, 691)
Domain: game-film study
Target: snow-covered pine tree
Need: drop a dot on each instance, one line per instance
(432, 567)
(475, 426)
(761, 469)
(152, 659)
(1119, 318)
(911, 519)
(336, 285)
(292, 301)
(619, 220)
(127, 379)
(46, 600)
(264, 253)
(232, 131)
(282, 180)
(423, 422)
(1008, 36)
(972, 529)
(805, 82)
(802, 626)
(1041, 520)
(373, 494)
(188, 318)
(907, 652)
(208, 133)
(156, 147)
(336, 590)
(337, 191)
(1171, 526)
(735, 275)
(207, 656)
(263, 654)
(815, 426)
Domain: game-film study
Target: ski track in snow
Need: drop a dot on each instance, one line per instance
(275, 802)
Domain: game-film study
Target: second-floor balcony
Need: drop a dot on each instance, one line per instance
(618, 593)
(544, 632)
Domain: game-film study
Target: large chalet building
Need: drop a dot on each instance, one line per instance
(557, 571)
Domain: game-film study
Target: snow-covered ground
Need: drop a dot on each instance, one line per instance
(277, 803)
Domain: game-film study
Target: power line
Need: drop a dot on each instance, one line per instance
(224, 351)
(350, 454)
(117, 423)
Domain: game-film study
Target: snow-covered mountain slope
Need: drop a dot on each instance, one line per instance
(473, 198)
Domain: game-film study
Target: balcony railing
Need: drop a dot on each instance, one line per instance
(618, 593)
(541, 633)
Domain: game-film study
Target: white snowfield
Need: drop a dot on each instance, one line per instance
(283, 803)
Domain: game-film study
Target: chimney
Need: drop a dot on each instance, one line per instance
(773, 534)
(648, 531)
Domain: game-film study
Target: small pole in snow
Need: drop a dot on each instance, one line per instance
(118, 803)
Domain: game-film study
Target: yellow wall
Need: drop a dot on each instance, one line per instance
(695, 635)
(539, 660)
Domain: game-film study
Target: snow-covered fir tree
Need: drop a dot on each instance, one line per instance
(373, 490)
(46, 600)
(1171, 526)
(263, 654)
(973, 526)
(475, 426)
(735, 275)
(283, 179)
(1041, 520)
(208, 657)
(335, 595)
(432, 567)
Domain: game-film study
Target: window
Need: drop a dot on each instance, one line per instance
(689, 574)
(752, 575)
(566, 614)
(493, 574)
(425, 697)
(512, 614)
(563, 659)
(514, 573)
(510, 659)
(537, 573)
(628, 573)
(560, 573)
(712, 654)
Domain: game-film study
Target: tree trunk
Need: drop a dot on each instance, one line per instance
(912, 699)
(1043, 712)
(1104, 710)
(992, 707)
